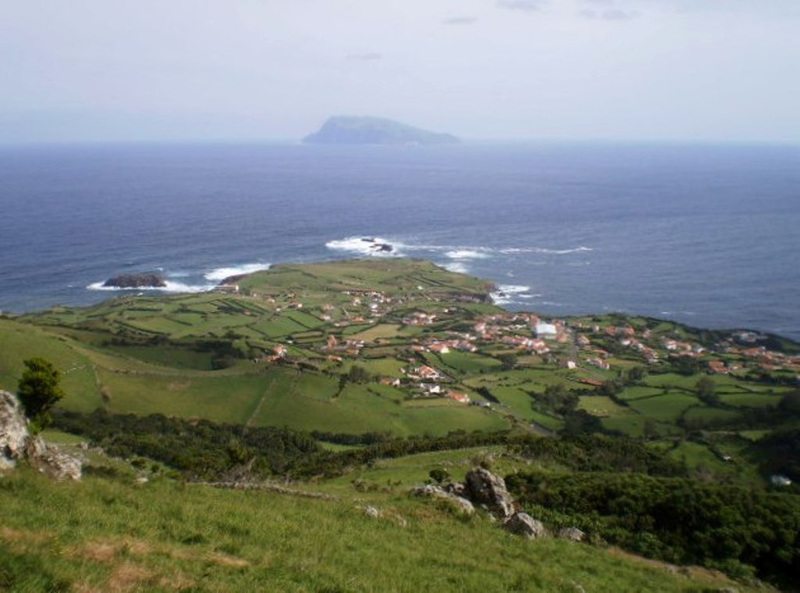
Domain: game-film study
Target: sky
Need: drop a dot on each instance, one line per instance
(189, 70)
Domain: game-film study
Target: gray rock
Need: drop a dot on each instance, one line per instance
(371, 511)
(460, 503)
(16, 443)
(485, 488)
(51, 461)
(13, 430)
(571, 533)
(456, 488)
(525, 525)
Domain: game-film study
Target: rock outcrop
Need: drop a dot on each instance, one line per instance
(572, 534)
(459, 503)
(136, 281)
(525, 525)
(51, 461)
(13, 430)
(485, 488)
(17, 444)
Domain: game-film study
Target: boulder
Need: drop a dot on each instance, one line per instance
(571, 533)
(372, 512)
(460, 503)
(485, 488)
(525, 525)
(51, 461)
(13, 430)
(16, 443)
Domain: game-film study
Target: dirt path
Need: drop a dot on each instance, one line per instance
(257, 409)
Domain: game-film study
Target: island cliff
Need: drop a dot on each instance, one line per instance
(374, 130)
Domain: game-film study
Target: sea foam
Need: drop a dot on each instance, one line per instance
(366, 246)
(171, 286)
(507, 294)
(219, 274)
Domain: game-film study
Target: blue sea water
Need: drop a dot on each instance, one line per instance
(706, 235)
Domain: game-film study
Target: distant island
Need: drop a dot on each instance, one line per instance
(374, 130)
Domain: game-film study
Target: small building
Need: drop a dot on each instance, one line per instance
(548, 331)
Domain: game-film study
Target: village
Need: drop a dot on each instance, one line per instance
(426, 334)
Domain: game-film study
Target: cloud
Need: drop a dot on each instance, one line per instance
(610, 14)
(459, 20)
(369, 56)
(526, 5)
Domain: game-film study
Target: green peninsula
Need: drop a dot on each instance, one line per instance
(331, 390)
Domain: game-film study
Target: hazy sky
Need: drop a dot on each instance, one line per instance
(493, 69)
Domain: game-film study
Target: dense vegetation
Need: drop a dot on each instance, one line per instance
(200, 450)
(675, 519)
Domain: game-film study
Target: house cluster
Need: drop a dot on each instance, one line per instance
(419, 318)
(524, 331)
(348, 347)
(462, 343)
(537, 345)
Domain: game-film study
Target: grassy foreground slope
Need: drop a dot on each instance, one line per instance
(106, 534)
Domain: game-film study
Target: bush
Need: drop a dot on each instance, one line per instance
(39, 389)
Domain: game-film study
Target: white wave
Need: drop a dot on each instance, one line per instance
(457, 267)
(170, 287)
(366, 246)
(513, 288)
(466, 254)
(219, 274)
(507, 294)
(544, 250)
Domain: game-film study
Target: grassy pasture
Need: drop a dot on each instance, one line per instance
(222, 398)
(707, 416)
(469, 362)
(602, 406)
(749, 400)
(110, 535)
(21, 341)
(377, 332)
(664, 408)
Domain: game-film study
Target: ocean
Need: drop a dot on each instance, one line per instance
(702, 234)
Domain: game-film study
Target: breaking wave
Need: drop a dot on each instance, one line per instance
(366, 246)
(205, 280)
(219, 274)
(171, 286)
(507, 294)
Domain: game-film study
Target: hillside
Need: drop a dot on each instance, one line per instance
(374, 130)
(107, 534)
(356, 379)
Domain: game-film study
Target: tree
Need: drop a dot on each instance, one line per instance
(706, 391)
(39, 389)
(507, 361)
(637, 373)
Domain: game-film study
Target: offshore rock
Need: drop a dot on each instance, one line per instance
(484, 487)
(136, 281)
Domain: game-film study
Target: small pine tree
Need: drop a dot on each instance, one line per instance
(39, 390)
